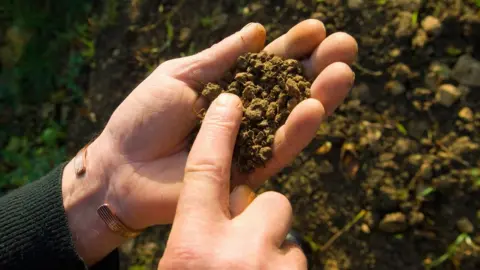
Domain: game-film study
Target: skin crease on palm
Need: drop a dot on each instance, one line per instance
(146, 137)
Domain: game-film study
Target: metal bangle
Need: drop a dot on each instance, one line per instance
(114, 223)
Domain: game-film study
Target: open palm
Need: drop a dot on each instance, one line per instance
(147, 136)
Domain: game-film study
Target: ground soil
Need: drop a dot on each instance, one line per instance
(270, 88)
(398, 162)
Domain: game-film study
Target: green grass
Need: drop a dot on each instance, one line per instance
(45, 48)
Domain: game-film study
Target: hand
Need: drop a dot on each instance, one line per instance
(204, 234)
(144, 143)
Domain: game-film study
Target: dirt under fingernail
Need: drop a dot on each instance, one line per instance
(269, 87)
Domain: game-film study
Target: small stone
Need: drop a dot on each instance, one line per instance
(318, 16)
(393, 223)
(466, 114)
(355, 4)
(403, 146)
(331, 264)
(395, 52)
(431, 25)
(467, 71)
(420, 39)
(365, 229)
(464, 225)
(395, 88)
(361, 92)
(403, 24)
(415, 218)
(447, 94)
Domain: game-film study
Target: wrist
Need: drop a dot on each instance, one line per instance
(82, 195)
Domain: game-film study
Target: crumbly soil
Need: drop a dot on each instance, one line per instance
(269, 88)
(400, 156)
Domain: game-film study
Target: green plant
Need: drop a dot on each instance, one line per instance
(25, 160)
(451, 250)
(43, 34)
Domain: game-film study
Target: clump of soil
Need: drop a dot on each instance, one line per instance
(270, 87)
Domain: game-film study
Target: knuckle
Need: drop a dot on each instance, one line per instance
(180, 257)
(218, 122)
(205, 169)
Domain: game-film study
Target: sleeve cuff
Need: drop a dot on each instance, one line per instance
(34, 231)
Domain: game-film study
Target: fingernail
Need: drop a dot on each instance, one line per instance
(226, 100)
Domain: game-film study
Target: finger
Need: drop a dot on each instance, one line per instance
(292, 256)
(327, 92)
(211, 64)
(338, 47)
(240, 198)
(299, 41)
(290, 139)
(268, 216)
(332, 85)
(207, 171)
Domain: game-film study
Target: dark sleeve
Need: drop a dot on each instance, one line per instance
(34, 232)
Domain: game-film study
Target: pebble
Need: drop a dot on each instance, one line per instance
(362, 92)
(365, 229)
(355, 4)
(420, 39)
(416, 218)
(402, 146)
(447, 94)
(464, 225)
(331, 264)
(467, 71)
(466, 114)
(431, 25)
(395, 88)
(393, 223)
(319, 16)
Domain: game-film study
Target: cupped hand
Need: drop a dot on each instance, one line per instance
(205, 235)
(145, 140)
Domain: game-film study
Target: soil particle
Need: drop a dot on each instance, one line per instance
(393, 223)
(466, 114)
(403, 23)
(395, 88)
(447, 95)
(431, 25)
(415, 218)
(355, 4)
(464, 225)
(467, 71)
(331, 264)
(270, 88)
(362, 92)
(420, 39)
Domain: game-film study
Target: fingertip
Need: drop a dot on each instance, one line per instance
(228, 100)
(332, 85)
(299, 41)
(257, 35)
(338, 47)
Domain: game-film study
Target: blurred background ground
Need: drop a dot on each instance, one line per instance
(394, 174)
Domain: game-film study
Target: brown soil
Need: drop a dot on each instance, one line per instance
(269, 88)
(398, 161)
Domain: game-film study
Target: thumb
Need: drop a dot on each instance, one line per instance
(210, 64)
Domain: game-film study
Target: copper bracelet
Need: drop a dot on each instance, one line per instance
(114, 223)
